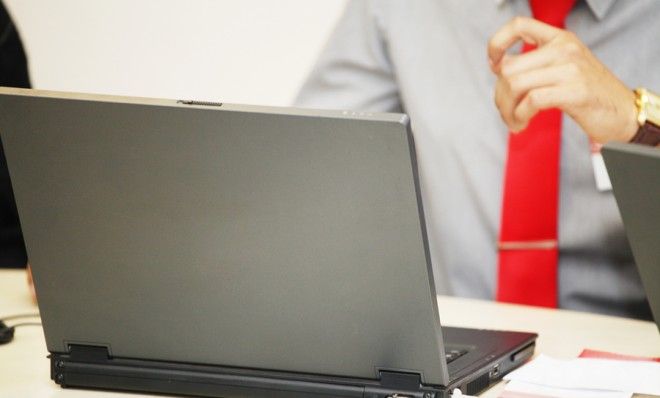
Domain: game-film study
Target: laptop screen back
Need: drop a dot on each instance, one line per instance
(234, 235)
(635, 174)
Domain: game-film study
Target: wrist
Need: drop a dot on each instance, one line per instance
(631, 114)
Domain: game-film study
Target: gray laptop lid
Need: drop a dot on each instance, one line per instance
(635, 174)
(241, 236)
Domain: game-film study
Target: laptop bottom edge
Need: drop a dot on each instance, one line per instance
(92, 368)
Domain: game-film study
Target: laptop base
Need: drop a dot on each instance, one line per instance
(93, 367)
(90, 367)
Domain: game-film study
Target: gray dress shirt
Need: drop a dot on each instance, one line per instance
(428, 59)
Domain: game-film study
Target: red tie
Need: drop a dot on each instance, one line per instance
(528, 235)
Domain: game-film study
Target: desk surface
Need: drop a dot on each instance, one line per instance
(25, 368)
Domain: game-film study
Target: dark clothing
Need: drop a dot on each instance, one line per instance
(13, 73)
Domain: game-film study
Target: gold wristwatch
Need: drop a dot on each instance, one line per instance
(648, 117)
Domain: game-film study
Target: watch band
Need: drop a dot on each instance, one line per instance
(648, 134)
(648, 117)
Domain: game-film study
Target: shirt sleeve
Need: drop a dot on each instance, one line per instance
(354, 70)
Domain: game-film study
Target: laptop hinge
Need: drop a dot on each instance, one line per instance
(88, 353)
(408, 381)
(63, 364)
(400, 385)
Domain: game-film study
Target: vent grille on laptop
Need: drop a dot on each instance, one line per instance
(477, 385)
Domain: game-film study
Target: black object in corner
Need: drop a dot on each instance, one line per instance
(6, 333)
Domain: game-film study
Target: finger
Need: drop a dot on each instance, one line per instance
(537, 100)
(506, 105)
(520, 28)
(510, 91)
(504, 102)
(539, 58)
(521, 83)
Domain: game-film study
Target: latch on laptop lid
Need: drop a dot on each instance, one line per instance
(201, 103)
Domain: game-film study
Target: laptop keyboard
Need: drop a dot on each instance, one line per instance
(453, 354)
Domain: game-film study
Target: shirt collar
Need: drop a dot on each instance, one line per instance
(598, 7)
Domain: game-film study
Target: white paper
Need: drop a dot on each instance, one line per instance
(603, 182)
(521, 389)
(638, 377)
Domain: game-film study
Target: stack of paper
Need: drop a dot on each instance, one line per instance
(583, 377)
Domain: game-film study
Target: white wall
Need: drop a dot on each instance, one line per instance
(240, 51)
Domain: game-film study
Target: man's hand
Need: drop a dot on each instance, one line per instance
(560, 73)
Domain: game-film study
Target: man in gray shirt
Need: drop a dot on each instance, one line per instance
(430, 59)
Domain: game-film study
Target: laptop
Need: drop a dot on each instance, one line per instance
(209, 249)
(635, 174)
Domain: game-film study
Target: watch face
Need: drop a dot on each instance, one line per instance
(653, 109)
(648, 107)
